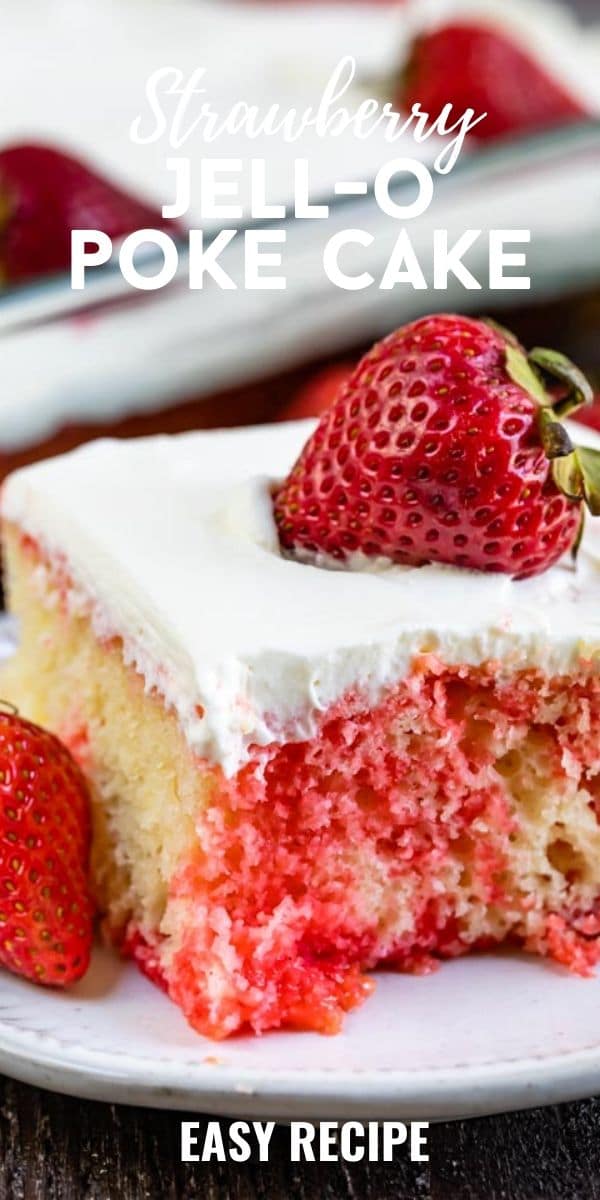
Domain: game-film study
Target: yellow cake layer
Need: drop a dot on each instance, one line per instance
(147, 789)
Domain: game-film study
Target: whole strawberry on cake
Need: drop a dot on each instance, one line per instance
(335, 687)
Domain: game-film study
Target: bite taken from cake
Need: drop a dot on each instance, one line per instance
(335, 687)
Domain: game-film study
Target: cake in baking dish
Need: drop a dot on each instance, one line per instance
(300, 773)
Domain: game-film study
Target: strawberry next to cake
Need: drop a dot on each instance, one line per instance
(335, 688)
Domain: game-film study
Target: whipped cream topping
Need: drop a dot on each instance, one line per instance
(171, 545)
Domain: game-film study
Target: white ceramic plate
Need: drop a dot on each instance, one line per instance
(482, 1035)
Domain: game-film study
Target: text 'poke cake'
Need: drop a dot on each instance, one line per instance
(337, 714)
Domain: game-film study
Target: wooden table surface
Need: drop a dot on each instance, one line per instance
(54, 1148)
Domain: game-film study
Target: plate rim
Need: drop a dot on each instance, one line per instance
(314, 1092)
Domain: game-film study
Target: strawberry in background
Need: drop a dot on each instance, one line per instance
(318, 392)
(478, 66)
(44, 194)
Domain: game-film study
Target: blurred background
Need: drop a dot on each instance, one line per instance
(116, 361)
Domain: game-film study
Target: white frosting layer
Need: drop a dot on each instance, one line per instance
(171, 544)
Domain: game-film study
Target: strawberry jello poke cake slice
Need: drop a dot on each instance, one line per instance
(335, 687)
